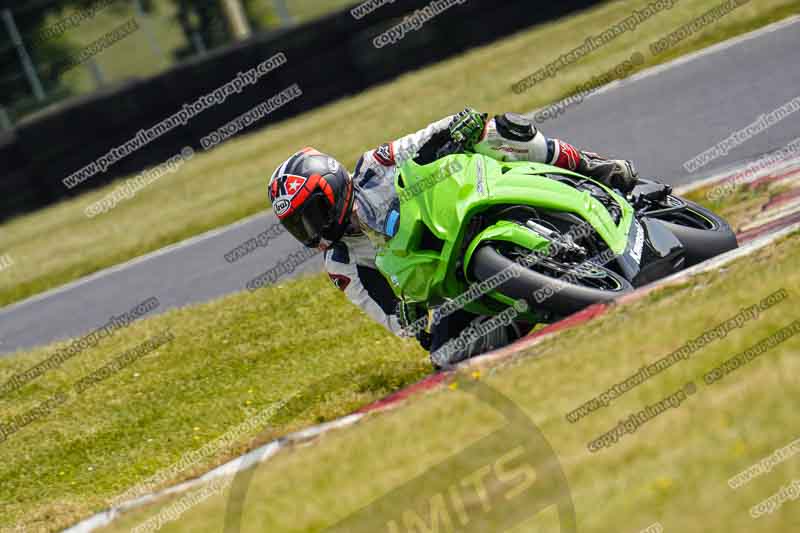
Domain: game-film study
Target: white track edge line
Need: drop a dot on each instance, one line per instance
(130, 262)
(730, 172)
(243, 462)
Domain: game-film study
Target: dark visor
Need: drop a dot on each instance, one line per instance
(307, 224)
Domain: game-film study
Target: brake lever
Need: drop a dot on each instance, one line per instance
(652, 193)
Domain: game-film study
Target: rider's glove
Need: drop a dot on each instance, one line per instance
(467, 127)
(617, 173)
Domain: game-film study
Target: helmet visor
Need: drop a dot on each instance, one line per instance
(307, 224)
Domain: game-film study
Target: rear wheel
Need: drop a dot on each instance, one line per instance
(550, 284)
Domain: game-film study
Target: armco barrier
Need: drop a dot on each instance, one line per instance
(329, 58)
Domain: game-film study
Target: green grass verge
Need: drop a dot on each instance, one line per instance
(672, 470)
(59, 244)
(229, 360)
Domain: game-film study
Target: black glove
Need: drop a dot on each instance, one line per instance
(617, 173)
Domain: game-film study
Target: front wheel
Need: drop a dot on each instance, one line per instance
(703, 233)
(549, 284)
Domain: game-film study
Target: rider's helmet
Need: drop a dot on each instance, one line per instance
(312, 196)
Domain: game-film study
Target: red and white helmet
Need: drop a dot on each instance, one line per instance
(312, 196)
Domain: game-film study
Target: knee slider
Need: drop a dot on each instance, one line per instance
(515, 127)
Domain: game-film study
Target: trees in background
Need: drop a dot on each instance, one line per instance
(42, 25)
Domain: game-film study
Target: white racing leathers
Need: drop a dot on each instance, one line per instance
(350, 263)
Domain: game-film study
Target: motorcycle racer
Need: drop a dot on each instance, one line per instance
(323, 205)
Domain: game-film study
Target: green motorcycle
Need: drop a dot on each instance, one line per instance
(488, 233)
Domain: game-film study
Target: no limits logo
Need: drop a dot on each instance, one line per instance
(495, 484)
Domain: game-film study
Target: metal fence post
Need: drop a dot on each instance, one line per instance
(5, 120)
(197, 41)
(25, 59)
(96, 72)
(148, 30)
(283, 12)
(237, 19)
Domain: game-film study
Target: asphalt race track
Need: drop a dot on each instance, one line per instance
(658, 120)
